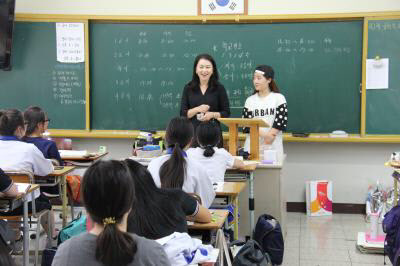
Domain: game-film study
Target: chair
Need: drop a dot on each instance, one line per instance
(27, 177)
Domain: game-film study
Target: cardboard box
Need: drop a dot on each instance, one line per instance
(319, 197)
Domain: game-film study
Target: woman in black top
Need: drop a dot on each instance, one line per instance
(204, 98)
(160, 212)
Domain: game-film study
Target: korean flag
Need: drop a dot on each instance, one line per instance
(210, 7)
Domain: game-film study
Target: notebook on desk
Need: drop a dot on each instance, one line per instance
(73, 153)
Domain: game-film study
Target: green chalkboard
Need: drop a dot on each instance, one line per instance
(383, 105)
(37, 78)
(138, 71)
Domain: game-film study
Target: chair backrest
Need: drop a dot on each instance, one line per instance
(20, 177)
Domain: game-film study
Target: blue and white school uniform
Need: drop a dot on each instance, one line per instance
(16, 155)
(216, 164)
(196, 179)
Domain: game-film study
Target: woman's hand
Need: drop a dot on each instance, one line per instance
(269, 137)
(203, 108)
(209, 115)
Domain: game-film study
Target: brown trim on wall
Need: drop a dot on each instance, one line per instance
(337, 207)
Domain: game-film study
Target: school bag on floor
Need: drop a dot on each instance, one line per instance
(268, 234)
(390, 225)
(250, 254)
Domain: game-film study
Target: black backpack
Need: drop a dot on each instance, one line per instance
(268, 234)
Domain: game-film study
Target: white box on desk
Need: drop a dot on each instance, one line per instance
(319, 197)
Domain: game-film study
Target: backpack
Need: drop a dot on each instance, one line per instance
(74, 228)
(390, 225)
(268, 234)
(250, 254)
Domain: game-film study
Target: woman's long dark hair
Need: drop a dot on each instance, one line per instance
(10, 120)
(214, 76)
(208, 136)
(179, 134)
(33, 116)
(108, 192)
(153, 205)
(268, 74)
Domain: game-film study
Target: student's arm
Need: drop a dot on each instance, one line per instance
(203, 215)
(40, 165)
(194, 210)
(238, 163)
(7, 186)
(54, 153)
(224, 103)
(280, 122)
(231, 161)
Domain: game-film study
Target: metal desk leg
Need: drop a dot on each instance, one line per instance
(26, 233)
(251, 201)
(235, 201)
(64, 200)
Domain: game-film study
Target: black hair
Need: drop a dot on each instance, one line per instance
(214, 76)
(10, 120)
(208, 136)
(178, 135)
(108, 192)
(33, 116)
(269, 73)
(152, 204)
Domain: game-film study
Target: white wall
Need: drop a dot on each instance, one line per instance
(189, 7)
(351, 167)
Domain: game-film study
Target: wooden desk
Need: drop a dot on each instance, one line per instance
(15, 203)
(91, 157)
(218, 218)
(232, 190)
(60, 176)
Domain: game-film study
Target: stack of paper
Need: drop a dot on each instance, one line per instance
(368, 247)
(73, 153)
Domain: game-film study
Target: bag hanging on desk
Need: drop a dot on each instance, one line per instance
(74, 187)
(224, 257)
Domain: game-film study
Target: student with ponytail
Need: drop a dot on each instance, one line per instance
(108, 195)
(18, 156)
(270, 105)
(175, 169)
(37, 122)
(215, 160)
(168, 206)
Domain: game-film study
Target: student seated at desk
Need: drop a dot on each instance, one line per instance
(175, 169)
(108, 195)
(37, 123)
(16, 155)
(160, 212)
(212, 158)
(9, 189)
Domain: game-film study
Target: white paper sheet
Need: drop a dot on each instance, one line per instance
(73, 153)
(377, 73)
(70, 42)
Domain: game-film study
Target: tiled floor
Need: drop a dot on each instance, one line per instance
(326, 241)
